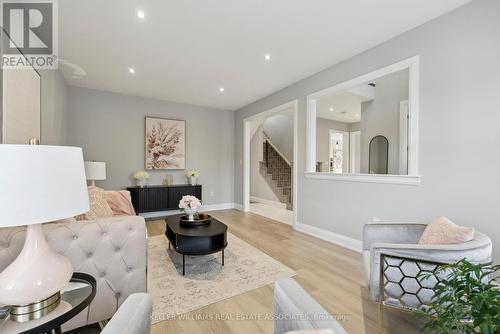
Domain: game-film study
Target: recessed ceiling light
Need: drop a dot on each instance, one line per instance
(267, 57)
(357, 115)
(141, 14)
(331, 108)
(221, 89)
(131, 70)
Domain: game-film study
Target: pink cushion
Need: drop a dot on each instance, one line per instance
(442, 231)
(99, 208)
(119, 202)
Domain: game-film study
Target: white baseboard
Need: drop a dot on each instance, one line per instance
(335, 238)
(205, 208)
(215, 207)
(268, 202)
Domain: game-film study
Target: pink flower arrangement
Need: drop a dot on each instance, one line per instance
(189, 202)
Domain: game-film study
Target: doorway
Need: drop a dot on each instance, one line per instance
(269, 163)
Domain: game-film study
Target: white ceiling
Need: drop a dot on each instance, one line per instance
(186, 50)
(346, 107)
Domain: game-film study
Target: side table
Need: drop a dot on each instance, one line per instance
(75, 297)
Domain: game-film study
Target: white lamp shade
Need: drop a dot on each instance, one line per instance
(95, 170)
(41, 184)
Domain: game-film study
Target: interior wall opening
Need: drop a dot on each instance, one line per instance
(270, 141)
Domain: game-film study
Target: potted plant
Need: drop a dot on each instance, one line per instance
(141, 178)
(192, 175)
(466, 301)
(191, 205)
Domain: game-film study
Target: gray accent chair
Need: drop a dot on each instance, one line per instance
(112, 250)
(295, 309)
(400, 241)
(133, 317)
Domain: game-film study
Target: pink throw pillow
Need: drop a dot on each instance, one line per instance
(99, 208)
(119, 202)
(442, 231)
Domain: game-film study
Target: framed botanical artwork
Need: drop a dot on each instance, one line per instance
(165, 144)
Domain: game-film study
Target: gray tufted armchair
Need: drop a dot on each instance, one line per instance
(391, 253)
(112, 250)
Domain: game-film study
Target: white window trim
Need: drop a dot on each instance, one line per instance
(413, 177)
(370, 178)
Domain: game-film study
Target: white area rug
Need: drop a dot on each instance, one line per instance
(206, 280)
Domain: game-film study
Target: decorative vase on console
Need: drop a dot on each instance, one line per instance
(141, 178)
(191, 205)
(192, 176)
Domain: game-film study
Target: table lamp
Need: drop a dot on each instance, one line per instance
(95, 171)
(39, 184)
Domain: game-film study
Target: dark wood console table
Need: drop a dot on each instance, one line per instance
(161, 198)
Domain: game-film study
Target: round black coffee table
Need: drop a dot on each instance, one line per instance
(196, 240)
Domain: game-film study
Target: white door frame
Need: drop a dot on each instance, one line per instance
(403, 136)
(352, 155)
(246, 154)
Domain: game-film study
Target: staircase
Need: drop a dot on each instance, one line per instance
(277, 172)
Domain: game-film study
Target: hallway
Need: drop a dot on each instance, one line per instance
(271, 211)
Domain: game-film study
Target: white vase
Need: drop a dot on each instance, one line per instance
(192, 180)
(190, 212)
(141, 182)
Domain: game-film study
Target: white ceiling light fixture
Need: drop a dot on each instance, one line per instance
(331, 108)
(131, 70)
(141, 14)
(221, 89)
(267, 57)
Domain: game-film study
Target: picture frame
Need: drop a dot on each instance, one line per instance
(165, 144)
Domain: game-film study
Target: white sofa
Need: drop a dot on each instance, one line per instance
(295, 309)
(133, 317)
(112, 250)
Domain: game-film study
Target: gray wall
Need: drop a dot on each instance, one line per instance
(110, 128)
(459, 155)
(355, 126)
(279, 128)
(258, 185)
(54, 107)
(381, 117)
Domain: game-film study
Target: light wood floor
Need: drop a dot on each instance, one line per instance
(333, 275)
(280, 214)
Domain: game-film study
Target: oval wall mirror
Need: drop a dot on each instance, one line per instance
(378, 155)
